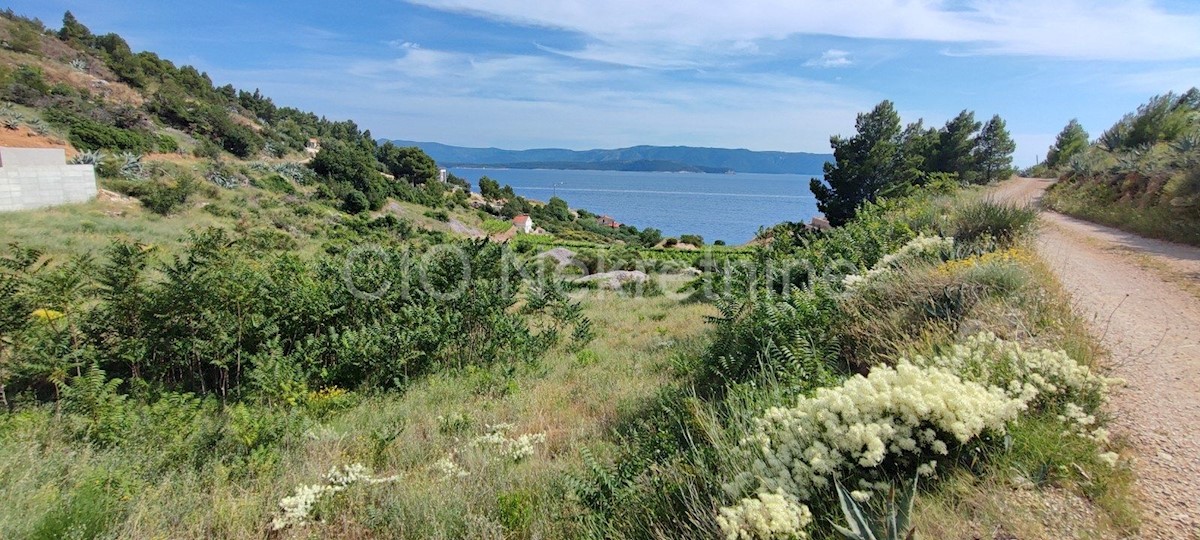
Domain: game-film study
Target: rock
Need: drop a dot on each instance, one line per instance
(615, 279)
(563, 255)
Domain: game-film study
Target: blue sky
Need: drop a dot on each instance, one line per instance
(758, 74)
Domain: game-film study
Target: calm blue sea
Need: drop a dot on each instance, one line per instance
(729, 207)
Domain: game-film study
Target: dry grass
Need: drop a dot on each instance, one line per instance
(572, 397)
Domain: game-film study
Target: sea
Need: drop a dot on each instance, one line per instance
(729, 207)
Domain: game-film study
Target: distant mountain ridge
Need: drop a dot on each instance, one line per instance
(687, 157)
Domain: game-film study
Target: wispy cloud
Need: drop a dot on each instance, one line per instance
(553, 100)
(833, 58)
(1082, 29)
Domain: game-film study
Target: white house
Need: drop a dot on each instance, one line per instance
(524, 223)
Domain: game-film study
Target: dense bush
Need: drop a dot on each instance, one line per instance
(222, 317)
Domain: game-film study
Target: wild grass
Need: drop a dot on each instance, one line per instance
(1100, 203)
(632, 448)
(574, 397)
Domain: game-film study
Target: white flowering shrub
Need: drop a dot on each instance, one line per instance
(1041, 377)
(497, 442)
(766, 516)
(921, 248)
(296, 509)
(904, 418)
(449, 469)
(897, 417)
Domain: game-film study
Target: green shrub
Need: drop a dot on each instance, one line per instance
(439, 215)
(355, 203)
(166, 144)
(274, 182)
(90, 135)
(983, 220)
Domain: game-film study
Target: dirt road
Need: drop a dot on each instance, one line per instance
(1142, 299)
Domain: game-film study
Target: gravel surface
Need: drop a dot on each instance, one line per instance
(1136, 295)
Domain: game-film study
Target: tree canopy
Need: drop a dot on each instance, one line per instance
(883, 160)
(1071, 141)
(863, 164)
(993, 151)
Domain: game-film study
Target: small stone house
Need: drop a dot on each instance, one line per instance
(313, 146)
(524, 223)
(608, 221)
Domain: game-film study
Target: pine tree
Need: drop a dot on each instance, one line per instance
(956, 143)
(993, 151)
(74, 32)
(1071, 141)
(864, 165)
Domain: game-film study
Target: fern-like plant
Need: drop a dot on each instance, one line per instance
(892, 523)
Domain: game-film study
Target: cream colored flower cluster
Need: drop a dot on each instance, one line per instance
(766, 516)
(1036, 376)
(921, 248)
(296, 509)
(903, 412)
(497, 442)
(449, 469)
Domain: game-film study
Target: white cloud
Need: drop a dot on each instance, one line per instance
(1164, 80)
(549, 100)
(1083, 29)
(833, 58)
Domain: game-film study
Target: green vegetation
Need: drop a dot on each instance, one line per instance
(259, 347)
(557, 219)
(881, 159)
(1142, 174)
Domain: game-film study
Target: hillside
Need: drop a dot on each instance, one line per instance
(1142, 174)
(721, 159)
(245, 336)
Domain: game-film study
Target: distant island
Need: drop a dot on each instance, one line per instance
(640, 165)
(636, 158)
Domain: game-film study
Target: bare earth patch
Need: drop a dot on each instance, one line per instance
(1137, 295)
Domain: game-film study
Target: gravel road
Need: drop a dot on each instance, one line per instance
(1140, 299)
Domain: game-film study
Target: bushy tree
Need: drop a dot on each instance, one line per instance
(407, 164)
(1071, 141)
(557, 209)
(350, 165)
(120, 58)
(1164, 118)
(993, 152)
(956, 145)
(918, 150)
(864, 164)
(74, 33)
(490, 189)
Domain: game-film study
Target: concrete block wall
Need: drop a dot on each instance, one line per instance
(37, 178)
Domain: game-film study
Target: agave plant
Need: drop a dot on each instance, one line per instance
(39, 127)
(13, 120)
(295, 172)
(892, 524)
(90, 157)
(130, 165)
(79, 64)
(221, 176)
